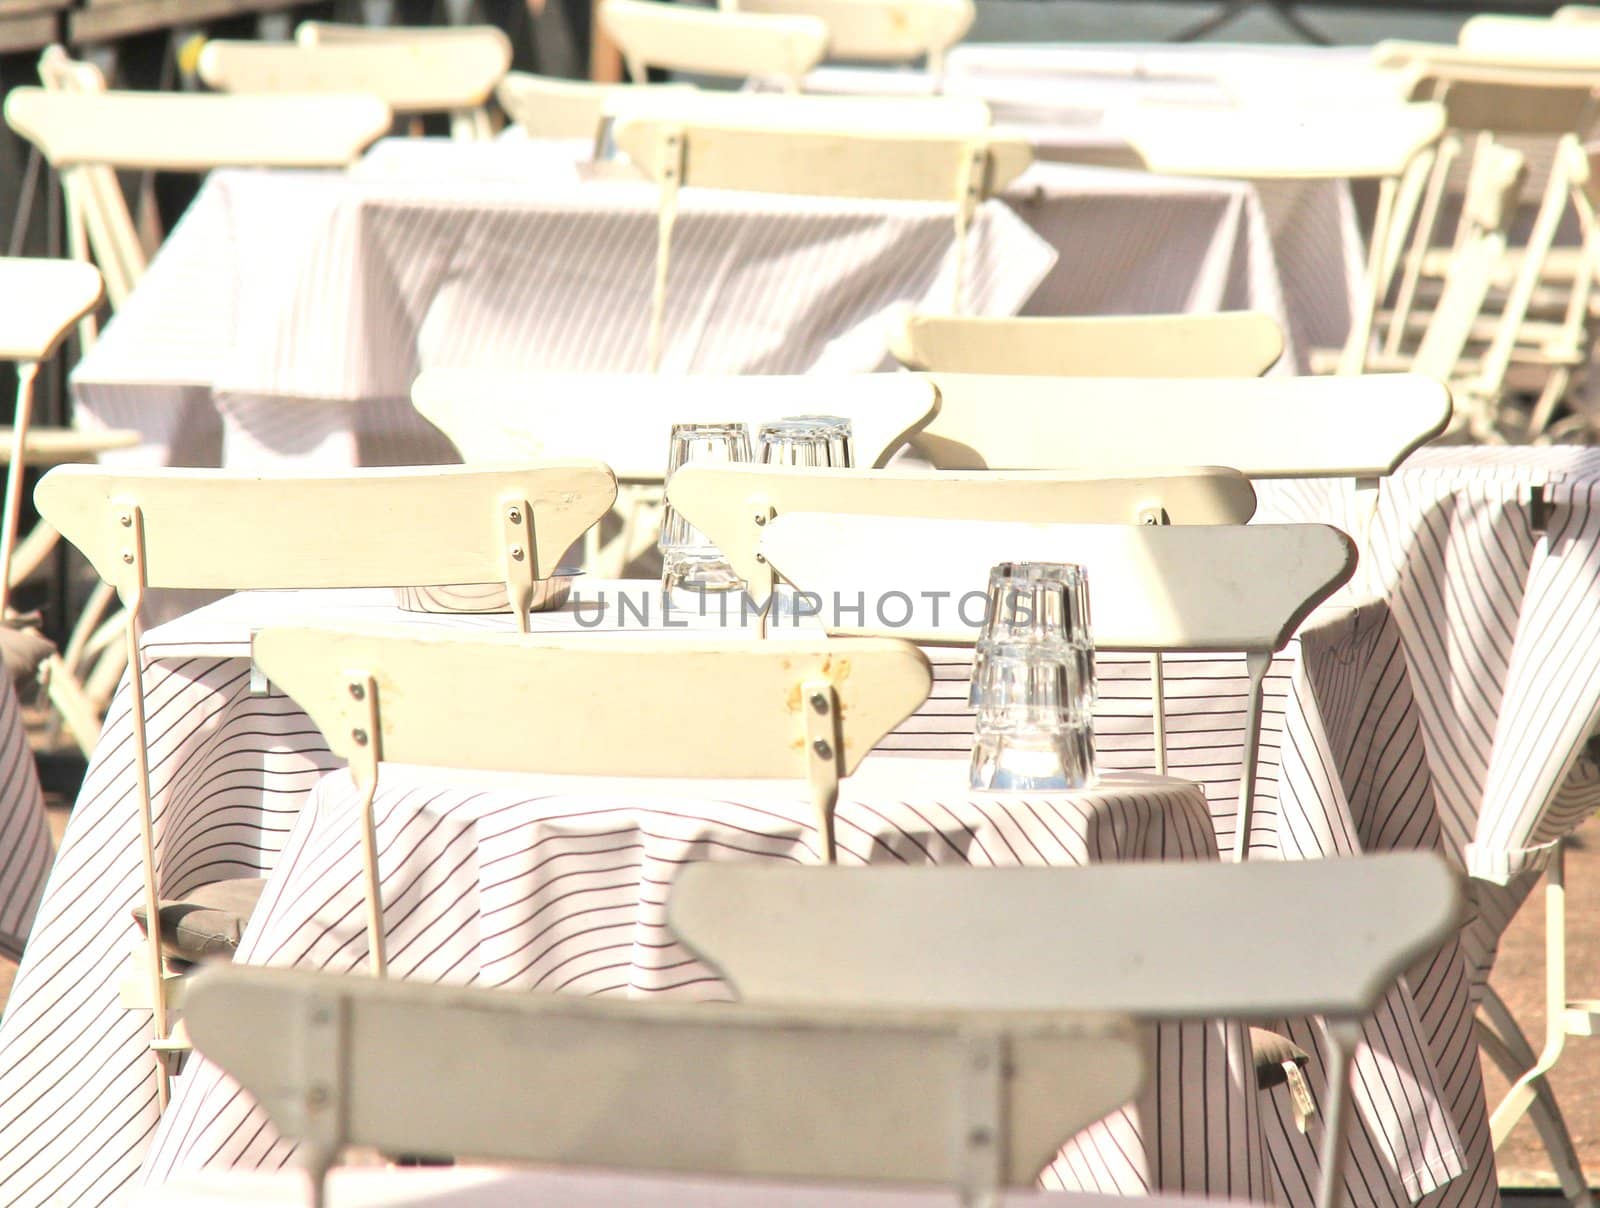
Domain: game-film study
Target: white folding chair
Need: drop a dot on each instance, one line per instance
(1576, 14)
(676, 37)
(976, 1101)
(1159, 589)
(546, 107)
(454, 74)
(733, 504)
(625, 420)
(1531, 37)
(878, 31)
(213, 530)
(1241, 344)
(1390, 143)
(1254, 941)
(178, 132)
(594, 706)
(961, 168)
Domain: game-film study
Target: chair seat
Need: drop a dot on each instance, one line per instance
(1272, 1052)
(58, 446)
(209, 921)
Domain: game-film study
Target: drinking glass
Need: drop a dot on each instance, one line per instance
(688, 558)
(805, 441)
(1033, 680)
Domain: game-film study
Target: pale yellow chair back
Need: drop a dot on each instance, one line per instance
(650, 33)
(1162, 589)
(1358, 427)
(703, 1088)
(960, 169)
(597, 705)
(1391, 143)
(39, 301)
(626, 420)
(546, 107)
(379, 528)
(770, 111)
(733, 504)
(1243, 344)
(84, 134)
(880, 30)
(437, 75)
(1314, 937)
(1577, 14)
(1530, 37)
(467, 123)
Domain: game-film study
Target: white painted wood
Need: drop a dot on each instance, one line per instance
(1242, 344)
(340, 33)
(546, 107)
(1493, 34)
(888, 1097)
(880, 30)
(370, 528)
(1265, 427)
(732, 504)
(941, 115)
(703, 708)
(1400, 55)
(433, 75)
(625, 420)
(1576, 14)
(40, 300)
(708, 42)
(1161, 588)
(844, 161)
(1272, 142)
(1256, 941)
(186, 132)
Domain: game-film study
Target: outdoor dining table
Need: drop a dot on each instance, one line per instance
(529, 882)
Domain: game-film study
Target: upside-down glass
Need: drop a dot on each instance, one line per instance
(1033, 680)
(810, 440)
(688, 558)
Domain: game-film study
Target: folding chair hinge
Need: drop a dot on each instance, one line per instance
(521, 557)
(366, 737)
(819, 702)
(981, 1117)
(319, 1054)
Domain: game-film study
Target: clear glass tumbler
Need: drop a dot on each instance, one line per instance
(688, 558)
(1033, 680)
(841, 443)
(804, 442)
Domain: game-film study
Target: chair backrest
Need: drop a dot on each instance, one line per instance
(1242, 344)
(701, 708)
(1221, 588)
(1264, 427)
(626, 420)
(546, 107)
(1515, 101)
(1368, 139)
(732, 504)
(437, 75)
(1576, 14)
(341, 33)
(881, 30)
(774, 111)
(867, 1096)
(40, 300)
(184, 132)
(650, 33)
(366, 528)
(1398, 54)
(1259, 940)
(1489, 33)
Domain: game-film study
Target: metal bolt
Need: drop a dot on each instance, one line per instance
(128, 557)
(980, 1136)
(321, 1015)
(761, 558)
(819, 702)
(516, 553)
(514, 516)
(317, 1096)
(360, 736)
(761, 519)
(823, 750)
(126, 519)
(357, 691)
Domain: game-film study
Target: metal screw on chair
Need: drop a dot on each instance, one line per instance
(823, 750)
(127, 556)
(516, 553)
(819, 702)
(317, 1096)
(980, 1136)
(514, 516)
(126, 520)
(360, 737)
(357, 691)
(761, 519)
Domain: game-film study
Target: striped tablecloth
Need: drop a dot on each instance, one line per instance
(25, 846)
(288, 313)
(232, 769)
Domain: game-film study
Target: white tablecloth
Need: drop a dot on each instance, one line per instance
(25, 845)
(287, 314)
(232, 770)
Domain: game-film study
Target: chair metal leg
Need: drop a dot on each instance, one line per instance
(1513, 1057)
(1524, 1091)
